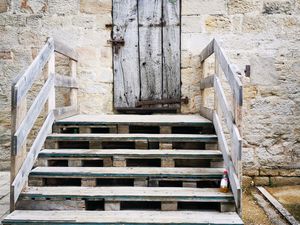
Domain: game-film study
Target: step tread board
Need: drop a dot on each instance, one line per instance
(126, 172)
(131, 193)
(128, 153)
(144, 120)
(122, 217)
(134, 137)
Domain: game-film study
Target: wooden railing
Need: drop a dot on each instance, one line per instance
(232, 115)
(23, 121)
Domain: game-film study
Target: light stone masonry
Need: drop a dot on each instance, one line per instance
(261, 33)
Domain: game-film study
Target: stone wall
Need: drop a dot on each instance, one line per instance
(261, 33)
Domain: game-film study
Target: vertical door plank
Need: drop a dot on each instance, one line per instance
(171, 50)
(150, 44)
(126, 63)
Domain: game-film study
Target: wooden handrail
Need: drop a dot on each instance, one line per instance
(232, 159)
(23, 120)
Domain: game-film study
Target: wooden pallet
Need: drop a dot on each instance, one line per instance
(123, 217)
(126, 157)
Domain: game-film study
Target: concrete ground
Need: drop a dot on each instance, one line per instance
(4, 194)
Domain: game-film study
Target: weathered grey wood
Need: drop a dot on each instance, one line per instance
(230, 73)
(135, 137)
(50, 205)
(65, 50)
(132, 172)
(207, 82)
(126, 58)
(144, 120)
(51, 70)
(150, 48)
(129, 153)
(207, 51)
(206, 112)
(278, 206)
(74, 91)
(171, 50)
(236, 149)
(123, 217)
(222, 101)
(32, 114)
(130, 193)
(67, 111)
(64, 81)
(18, 112)
(234, 181)
(33, 71)
(22, 175)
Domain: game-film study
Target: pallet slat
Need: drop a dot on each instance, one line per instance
(130, 193)
(129, 172)
(144, 120)
(122, 217)
(128, 153)
(135, 137)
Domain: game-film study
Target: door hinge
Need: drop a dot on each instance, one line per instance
(161, 102)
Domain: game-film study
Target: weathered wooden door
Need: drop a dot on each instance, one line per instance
(146, 49)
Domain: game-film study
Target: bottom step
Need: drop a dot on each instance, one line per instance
(121, 217)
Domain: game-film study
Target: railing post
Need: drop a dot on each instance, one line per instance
(51, 71)
(18, 113)
(74, 91)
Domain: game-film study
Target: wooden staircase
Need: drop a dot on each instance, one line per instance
(119, 169)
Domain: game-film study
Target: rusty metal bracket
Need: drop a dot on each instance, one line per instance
(247, 70)
(162, 102)
(117, 42)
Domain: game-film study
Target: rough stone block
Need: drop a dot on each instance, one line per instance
(268, 75)
(281, 181)
(95, 6)
(218, 24)
(262, 181)
(191, 24)
(278, 7)
(247, 182)
(202, 7)
(244, 6)
(6, 55)
(3, 6)
(63, 7)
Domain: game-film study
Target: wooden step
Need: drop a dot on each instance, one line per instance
(142, 120)
(130, 153)
(121, 217)
(130, 194)
(134, 137)
(127, 172)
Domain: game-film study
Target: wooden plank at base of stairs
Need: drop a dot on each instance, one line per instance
(134, 137)
(122, 217)
(144, 120)
(130, 193)
(130, 153)
(128, 172)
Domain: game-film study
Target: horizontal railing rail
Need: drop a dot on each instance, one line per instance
(232, 157)
(23, 120)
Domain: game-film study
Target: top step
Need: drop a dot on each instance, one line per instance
(145, 120)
